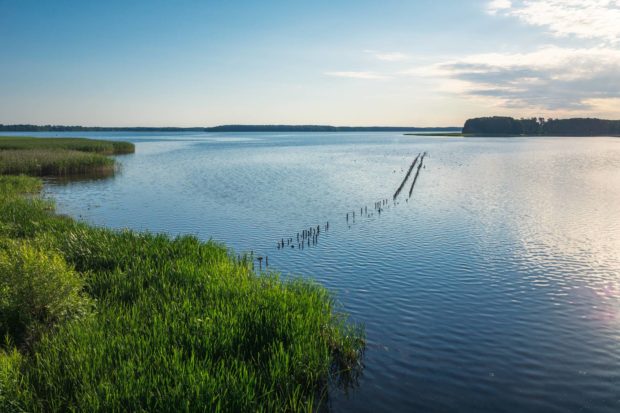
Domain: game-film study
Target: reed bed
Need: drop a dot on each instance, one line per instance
(59, 157)
(53, 162)
(162, 324)
(74, 144)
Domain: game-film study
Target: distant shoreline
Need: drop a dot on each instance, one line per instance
(227, 128)
(507, 126)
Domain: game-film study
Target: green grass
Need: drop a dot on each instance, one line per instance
(54, 162)
(60, 157)
(19, 185)
(161, 324)
(74, 144)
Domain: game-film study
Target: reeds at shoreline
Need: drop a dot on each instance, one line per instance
(53, 162)
(59, 156)
(74, 144)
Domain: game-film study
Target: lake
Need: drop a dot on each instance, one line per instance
(494, 288)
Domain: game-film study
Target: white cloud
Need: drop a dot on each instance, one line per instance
(358, 75)
(498, 5)
(585, 19)
(550, 78)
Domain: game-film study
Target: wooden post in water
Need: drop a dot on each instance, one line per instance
(416, 174)
(402, 184)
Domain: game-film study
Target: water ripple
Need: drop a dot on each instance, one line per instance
(495, 288)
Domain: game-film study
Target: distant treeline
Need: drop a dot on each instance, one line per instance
(323, 128)
(63, 128)
(223, 128)
(502, 125)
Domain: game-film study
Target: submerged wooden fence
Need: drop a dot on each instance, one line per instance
(309, 236)
(402, 184)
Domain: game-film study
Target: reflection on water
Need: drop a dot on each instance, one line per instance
(83, 177)
(496, 287)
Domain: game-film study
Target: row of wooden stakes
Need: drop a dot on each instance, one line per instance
(309, 237)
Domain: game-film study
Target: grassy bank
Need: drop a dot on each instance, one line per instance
(59, 157)
(72, 144)
(100, 320)
(42, 162)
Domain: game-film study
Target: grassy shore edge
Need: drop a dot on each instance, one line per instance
(153, 323)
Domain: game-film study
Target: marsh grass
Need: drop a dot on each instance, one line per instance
(21, 184)
(176, 325)
(54, 162)
(74, 144)
(59, 157)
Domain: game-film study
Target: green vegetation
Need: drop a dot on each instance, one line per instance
(507, 126)
(73, 144)
(59, 157)
(99, 320)
(55, 162)
(37, 291)
(19, 185)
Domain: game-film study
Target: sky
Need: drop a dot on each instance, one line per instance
(337, 62)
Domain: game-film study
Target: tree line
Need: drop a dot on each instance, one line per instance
(224, 128)
(507, 126)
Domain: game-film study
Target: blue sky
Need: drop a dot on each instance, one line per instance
(202, 63)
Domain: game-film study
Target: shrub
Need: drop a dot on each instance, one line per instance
(37, 290)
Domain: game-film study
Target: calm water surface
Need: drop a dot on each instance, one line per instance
(495, 288)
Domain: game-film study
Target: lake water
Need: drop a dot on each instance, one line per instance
(494, 288)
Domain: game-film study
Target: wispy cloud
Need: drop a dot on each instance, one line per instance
(388, 56)
(358, 75)
(551, 77)
(585, 19)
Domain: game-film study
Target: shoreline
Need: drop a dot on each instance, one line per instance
(126, 320)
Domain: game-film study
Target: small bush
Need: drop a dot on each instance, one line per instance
(37, 290)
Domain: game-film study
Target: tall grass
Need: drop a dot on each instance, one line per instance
(56, 162)
(75, 144)
(59, 156)
(177, 325)
(11, 185)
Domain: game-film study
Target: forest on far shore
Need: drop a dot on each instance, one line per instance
(504, 125)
